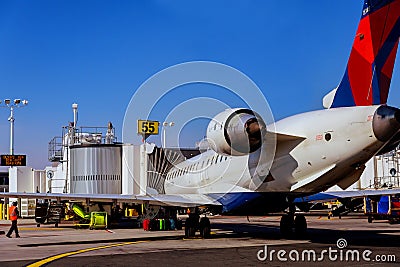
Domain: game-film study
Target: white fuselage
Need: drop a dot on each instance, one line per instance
(330, 146)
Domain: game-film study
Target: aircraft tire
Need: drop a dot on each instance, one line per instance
(190, 228)
(286, 225)
(205, 227)
(300, 225)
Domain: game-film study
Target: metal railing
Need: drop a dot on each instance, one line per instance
(79, 136)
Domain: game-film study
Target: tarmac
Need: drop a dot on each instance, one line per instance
(235, 241)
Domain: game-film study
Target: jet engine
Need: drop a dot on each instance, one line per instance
(236, 132)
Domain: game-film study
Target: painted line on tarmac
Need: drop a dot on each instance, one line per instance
(59, 256)
(41, 229)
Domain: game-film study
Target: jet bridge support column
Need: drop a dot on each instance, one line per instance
(143, 170)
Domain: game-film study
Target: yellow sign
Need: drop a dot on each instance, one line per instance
(148, 127)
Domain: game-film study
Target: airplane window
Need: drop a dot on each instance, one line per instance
(328, 136)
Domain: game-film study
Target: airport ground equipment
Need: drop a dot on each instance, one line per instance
(48, 213)
(98, 220)
(382, 208)
(93, 220)
(84, 220)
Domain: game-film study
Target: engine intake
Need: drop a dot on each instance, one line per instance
(236, 132)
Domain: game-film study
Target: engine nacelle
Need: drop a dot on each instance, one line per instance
(236, 132)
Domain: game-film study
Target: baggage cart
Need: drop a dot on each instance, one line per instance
(382, 208)
(48, 213)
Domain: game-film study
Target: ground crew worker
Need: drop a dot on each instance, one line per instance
(13, 211)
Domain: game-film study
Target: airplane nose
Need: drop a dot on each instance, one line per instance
(386, 123)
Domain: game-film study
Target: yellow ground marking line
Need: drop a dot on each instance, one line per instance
(59, 256)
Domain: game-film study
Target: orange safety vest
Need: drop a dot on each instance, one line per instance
(13, 213)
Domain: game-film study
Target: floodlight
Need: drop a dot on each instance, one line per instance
(16, 103)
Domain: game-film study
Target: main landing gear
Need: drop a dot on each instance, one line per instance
(293, 225)
(194, 223)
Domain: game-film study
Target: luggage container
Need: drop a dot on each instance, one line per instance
(162, 224)
(172, 224)
(154, 225)
(146, 225)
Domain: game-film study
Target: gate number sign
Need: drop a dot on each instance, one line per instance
(148, 127)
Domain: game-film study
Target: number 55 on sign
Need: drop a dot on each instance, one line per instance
(148, 127)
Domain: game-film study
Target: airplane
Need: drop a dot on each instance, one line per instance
(313, 151)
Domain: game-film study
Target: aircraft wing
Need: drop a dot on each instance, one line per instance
(326, 196)
(181, 200)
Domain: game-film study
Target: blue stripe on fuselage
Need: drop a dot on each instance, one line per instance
(233, 201)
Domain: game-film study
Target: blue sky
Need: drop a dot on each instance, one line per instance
(97, 53)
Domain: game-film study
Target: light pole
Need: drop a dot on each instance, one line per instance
(165, 125)
(17, 103)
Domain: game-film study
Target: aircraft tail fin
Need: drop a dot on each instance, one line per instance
(369, 69)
